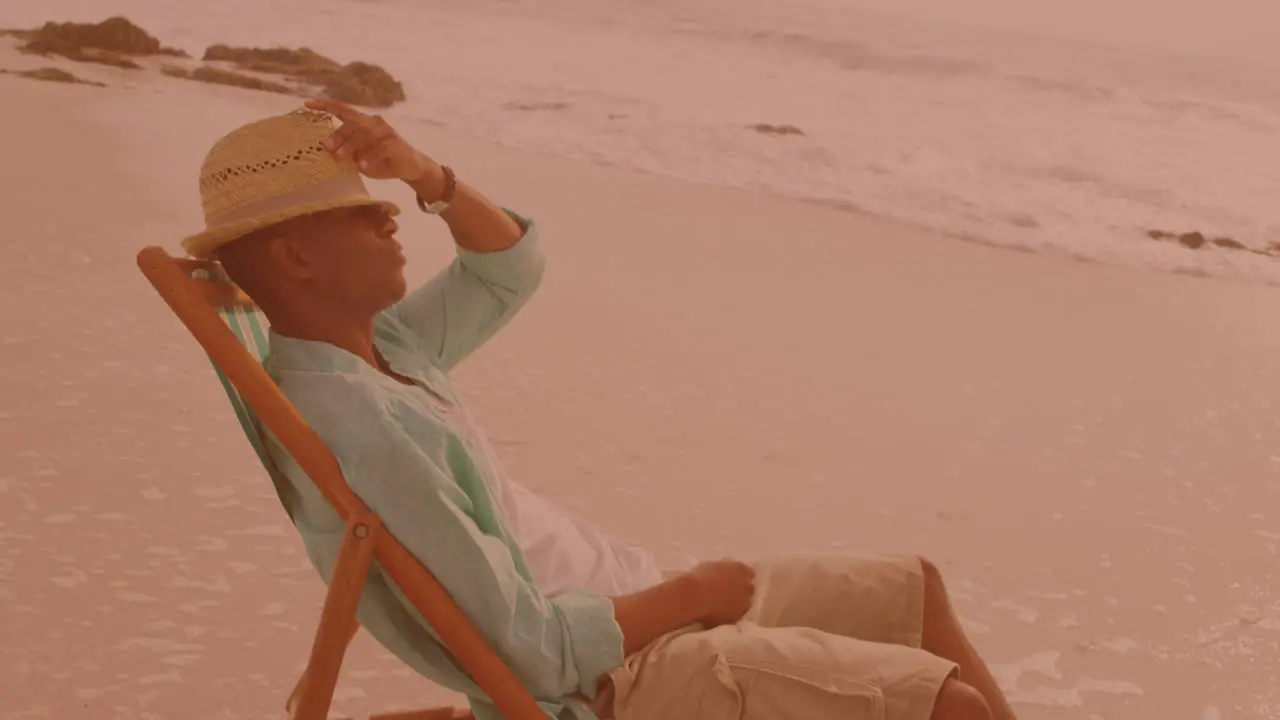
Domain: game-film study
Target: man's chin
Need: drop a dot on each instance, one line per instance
(401, 288)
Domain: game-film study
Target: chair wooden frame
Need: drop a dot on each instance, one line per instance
(195, 301)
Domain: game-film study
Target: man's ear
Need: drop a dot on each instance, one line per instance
(245, 260)
(291, 256)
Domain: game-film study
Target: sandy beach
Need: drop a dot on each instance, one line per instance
(1086, 450)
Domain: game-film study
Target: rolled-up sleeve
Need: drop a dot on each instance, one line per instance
(556, 646)
(459, 309)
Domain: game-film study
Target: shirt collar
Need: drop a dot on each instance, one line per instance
(289, 353)
(293, 354)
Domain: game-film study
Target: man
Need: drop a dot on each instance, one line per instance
(588, 623)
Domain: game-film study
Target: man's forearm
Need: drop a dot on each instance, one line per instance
(649, 614)
(476, 223)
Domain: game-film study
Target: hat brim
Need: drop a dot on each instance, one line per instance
(202, 245)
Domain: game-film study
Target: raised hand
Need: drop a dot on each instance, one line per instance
(370, 142)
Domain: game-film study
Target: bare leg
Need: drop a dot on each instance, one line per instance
(944, 637)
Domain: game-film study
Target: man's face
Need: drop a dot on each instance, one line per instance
(351, 259)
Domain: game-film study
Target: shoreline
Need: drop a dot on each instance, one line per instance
(1065, 198)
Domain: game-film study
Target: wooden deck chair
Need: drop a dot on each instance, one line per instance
(233, 334)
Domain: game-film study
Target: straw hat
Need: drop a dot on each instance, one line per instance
(269, 171)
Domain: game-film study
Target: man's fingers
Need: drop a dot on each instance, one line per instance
(353, 137)
(340, 110)
(365, 143)
(352, 121)
(340, 137)
(361, 139)
(370, 158)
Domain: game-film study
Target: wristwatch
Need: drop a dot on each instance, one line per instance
(439, 206)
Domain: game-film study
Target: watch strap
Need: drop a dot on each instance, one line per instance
(446, 199)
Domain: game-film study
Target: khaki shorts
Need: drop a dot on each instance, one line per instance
(826, 638)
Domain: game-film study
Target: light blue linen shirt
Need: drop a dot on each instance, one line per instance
(406, 454)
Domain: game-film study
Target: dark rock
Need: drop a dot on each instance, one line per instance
(111, 42)
(767, 129)
(52, 75)
(1197, 240)
(361, 83)
(356, 83)
(116, 41)
(1193, 240)
(218, 76)
(276, 61)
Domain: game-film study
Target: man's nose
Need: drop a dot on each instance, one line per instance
(389, 225)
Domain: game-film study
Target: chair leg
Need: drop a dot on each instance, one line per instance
(292, 704)
(337, 620)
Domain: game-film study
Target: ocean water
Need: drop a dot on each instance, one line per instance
(1074, 128)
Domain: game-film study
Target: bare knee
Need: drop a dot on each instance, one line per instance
(958, 701)
(940, 624)
(934, 589)
(932, 575)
